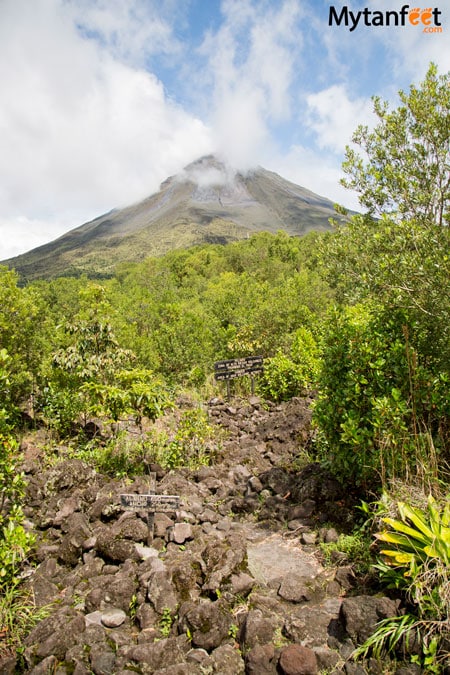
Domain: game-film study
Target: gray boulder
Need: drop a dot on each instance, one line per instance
(361, 614)
(207, 622)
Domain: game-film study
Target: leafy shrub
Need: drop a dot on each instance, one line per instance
(60, 407)
(194, 438)
(380, 413)
(15, 545)
(281, 380)
(22, 334)
(121, 456)
(288, 376)
(91, 373)
(192, 444)
(15, 542)
(133, 392)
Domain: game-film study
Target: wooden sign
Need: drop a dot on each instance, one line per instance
(231, 368)
(150, 502)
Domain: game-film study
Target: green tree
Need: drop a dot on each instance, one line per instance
(403, 258)
(14, 541)
(91, 373)
(91, 349)
(22, 333)
(288, 375)
(404, 171)
(386, 365)
(88, 352)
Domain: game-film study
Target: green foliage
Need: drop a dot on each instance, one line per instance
(165, 622)
(417, 562)
(136, 392)
(389, 635)
(15, 542)
(182, 312)
(288, 376)
(90, 373)
(18, 615)
(419, 537)
(121, 456)
(233, 631)
(362, 360)
(147, 394)
(8, 410)
(353, 549)
(22, 334)
(281, 379)
(91, 351)
(384, 409)
(404, 266)
(15, 545)
(406, 173)
(133, 607)
(11, 479)
(381, 414)
(61, 408)
(192, 444)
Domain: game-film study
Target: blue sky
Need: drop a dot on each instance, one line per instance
(101, 100)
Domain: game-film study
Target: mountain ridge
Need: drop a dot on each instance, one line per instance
(207, 202)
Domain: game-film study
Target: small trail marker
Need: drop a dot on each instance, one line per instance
(151, 503)
(232, 368)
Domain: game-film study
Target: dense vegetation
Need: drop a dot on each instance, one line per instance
(360, 315)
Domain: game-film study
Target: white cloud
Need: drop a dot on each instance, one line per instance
(80, 132)
(333, 116)
(20, 233)
(319, 172)
(250, 64)
(132, 30)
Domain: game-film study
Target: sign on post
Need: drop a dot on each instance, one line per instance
(150, 503)
(232, 368)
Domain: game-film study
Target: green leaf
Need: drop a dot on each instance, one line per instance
(398, 539)
(416, 517)
(400, 557)
(401, 527)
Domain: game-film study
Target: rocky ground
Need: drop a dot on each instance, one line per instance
(231, 583)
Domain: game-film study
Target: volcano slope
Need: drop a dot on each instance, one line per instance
(206, 203)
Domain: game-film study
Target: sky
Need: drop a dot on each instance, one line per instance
(102, 100)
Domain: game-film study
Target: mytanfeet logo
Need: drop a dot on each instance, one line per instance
(429, 19)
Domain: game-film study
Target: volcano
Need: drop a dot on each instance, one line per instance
(207, 202)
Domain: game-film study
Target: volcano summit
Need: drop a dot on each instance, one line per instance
(208, 202)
